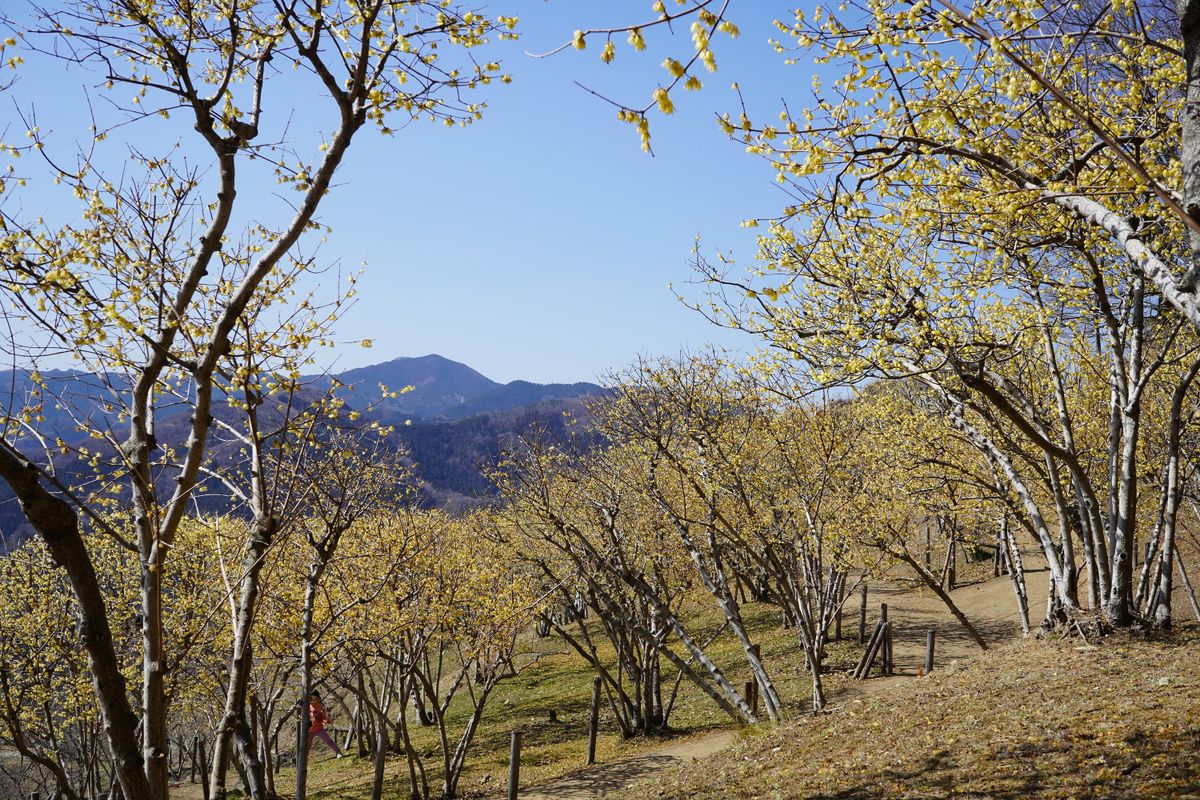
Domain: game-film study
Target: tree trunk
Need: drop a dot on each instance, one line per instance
(242, 659)
(1189, 17)
(1120, 596)
(58, 526)
(1016, 573)
(306, 626)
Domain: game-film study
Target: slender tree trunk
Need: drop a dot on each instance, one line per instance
(306, 645)
(1016, 573)
(1160, 604)
(1187, 584)
(154, 710)
(459, 758)
(1121, 591)
(242, 659)
(58, 526)
(1006, 468)
(1064, 529)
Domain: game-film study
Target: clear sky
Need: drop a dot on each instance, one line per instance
(540, 242)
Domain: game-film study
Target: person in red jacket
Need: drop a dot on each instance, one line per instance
(317, 720)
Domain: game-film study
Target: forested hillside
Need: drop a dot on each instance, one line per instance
(452, 423)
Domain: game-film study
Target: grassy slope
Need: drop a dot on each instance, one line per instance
(1031, 719)
(560, 680)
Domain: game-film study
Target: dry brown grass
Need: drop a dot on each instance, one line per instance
(1045, 719)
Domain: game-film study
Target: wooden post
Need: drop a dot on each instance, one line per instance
(929, 637)
(878, 639)
(886, 653)
(360, 710)
(755, 689)
(862, 616)
(868, 656)
(203, 771)
(886, 647)
(953, 573)
(514, 766)
(594, 721)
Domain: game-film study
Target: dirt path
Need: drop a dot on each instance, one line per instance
(988, 605)
(601, 780)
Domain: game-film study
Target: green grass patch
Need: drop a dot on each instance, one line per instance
(561, 681)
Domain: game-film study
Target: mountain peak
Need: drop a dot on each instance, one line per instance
(439, 384)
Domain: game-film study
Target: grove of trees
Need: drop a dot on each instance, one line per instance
(979, 315)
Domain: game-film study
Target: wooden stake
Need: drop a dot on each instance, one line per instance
(928, 544)
(868, 657)
(594, 721)
(885, 645)
(929, 637)
(203, 771)
(953, 576)
(514, 766)
(886, 655)
(195, 750)
(755, 688)
(862, 616)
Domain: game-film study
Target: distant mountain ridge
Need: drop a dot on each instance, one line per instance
(443, 389)
(454, 422)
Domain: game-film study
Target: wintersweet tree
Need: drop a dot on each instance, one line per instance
(756, 488)
(981, 191)
(146, 287)
(450, 622)
(49, 711)
(610, 569)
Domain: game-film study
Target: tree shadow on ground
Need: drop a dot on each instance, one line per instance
(600, 779)
(1057, 770)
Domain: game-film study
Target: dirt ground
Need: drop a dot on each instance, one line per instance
(602, 779)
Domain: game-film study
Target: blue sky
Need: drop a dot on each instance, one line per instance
(539, 243)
